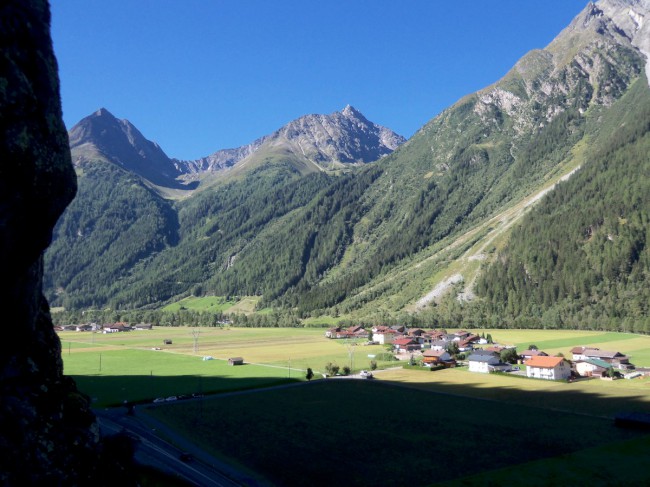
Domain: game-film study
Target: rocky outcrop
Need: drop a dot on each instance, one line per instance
(49, 435)
(101, 136)
(345, 137)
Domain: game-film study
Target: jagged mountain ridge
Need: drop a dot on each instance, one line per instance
(344, 137)
(326, 141)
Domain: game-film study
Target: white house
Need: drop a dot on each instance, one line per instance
(482, 363)
(592, 367)
(551, 368)
(384, 338)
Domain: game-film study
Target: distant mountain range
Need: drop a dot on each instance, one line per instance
(326, 141)
(446, 226)
(312, 142)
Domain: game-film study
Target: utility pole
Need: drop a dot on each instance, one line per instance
(195, 333)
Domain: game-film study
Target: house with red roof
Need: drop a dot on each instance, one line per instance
(550, 368)
(331, 332)
(384, 336)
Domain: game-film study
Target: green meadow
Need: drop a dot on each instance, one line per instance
(115, 367)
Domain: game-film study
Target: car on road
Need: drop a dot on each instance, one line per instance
(364, 374)
(185, 457)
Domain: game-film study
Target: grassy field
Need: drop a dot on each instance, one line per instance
(355, 432)
(216, 304)
(618, 463)
(132, 370)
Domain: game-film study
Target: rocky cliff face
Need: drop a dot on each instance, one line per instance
(101, 136)
(344, 137)
(49, 435)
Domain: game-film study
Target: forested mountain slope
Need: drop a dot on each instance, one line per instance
(424, 224)
(582, 257)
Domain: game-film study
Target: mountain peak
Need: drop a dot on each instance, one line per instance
(102, 112)
(102, 136)
(350, 111)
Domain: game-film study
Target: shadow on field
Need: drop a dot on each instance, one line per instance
(374, 432)
(108, 390)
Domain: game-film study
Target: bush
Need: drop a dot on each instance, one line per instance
(387, 357)
(331, 369)
(346, 370)
(373, 365)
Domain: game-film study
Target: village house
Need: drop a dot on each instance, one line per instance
(331, 332)
(406, 344)
(482, 362)
(439, 345)
(438, 357)
(416, 332)
(116, 328)
(528, 354)
(592, 367)
(467, 343)
(550, 368)
(385, 336)
(430, 337)
(351, 332)
(617, 359)
(462, 335)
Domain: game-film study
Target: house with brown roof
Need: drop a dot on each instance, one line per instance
(468, 343)
(406, 344)
(617, 359)
(578, 353)
(384, 336)
(550, 368)
(527, 354)
(438, 357)
(415, 332)
(116, 328)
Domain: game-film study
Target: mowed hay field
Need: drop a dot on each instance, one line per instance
(112, 368)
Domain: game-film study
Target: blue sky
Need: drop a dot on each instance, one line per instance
(197, 76)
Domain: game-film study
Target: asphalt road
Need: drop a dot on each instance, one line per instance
(151, 449)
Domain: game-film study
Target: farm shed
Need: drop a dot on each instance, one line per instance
(236, 361)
